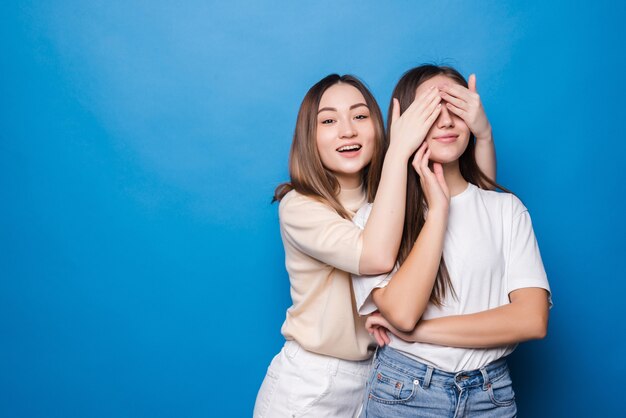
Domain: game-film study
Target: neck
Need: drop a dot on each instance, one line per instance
(349, 181)
(455, 181)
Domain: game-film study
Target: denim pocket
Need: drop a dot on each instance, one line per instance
(501, 391)
(310, 387)
(391, 386)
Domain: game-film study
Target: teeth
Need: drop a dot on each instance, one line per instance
(349, 148)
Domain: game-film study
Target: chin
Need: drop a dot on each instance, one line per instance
(446, 154)
(444, 158)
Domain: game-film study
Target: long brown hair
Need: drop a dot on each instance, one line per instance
(308, 175)
(415, 200)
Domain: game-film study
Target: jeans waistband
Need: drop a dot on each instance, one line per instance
(429, 375)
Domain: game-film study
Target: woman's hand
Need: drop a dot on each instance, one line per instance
(433, 182)
(409, 130)
(465, 103)
(378, 326)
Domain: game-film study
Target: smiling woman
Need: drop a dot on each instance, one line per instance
(454, 321)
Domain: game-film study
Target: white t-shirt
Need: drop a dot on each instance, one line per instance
(490, 250)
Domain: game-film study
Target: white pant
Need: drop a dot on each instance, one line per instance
(300, 383)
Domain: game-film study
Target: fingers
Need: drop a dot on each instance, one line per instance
(456, 110)
(420, 163)
(395, 113)
(431, 112)
(434, 114)
(414, 123)
(433, 101)
(384, 333)
(377, 335)
(428, 95)
(460, 103)
(458, 91)
(424, 170)
(472, 83)
(381, 335)
(418, 158)
(415, 106)
(438, 170)
(425, 103)
(372, 322)
(369, 325)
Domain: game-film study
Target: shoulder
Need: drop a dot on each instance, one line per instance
(290, 197)
(294, 199)
(517, 207)
(507, 202)
(299, 207)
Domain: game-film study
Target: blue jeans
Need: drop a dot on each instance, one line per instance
(399, 386)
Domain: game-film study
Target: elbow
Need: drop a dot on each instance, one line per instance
(402, 321)
(542, 330)
(401, 314)
(378, 265)
(385, 265)
(538, 328)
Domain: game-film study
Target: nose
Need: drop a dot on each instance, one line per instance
(445, 119)
(347, 130)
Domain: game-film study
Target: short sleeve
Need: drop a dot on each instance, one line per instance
(525, 267)
(364, 285)
(320, 232)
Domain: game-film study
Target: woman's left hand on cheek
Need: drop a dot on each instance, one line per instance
(465, 103)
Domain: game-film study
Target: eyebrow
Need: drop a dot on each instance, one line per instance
(332, 109)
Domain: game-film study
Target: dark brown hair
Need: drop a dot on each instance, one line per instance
(415, 199)
(308, 175)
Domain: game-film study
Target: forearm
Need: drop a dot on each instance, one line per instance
(509, 324)
(403, 301)
(383, 231)
(485, 153)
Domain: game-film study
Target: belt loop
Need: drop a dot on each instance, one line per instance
(333, 366)
(427, 377)
(486, 382)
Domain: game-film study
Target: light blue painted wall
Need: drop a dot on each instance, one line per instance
(141, 268)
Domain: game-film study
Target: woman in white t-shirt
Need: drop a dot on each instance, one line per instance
(471, 283)
(336, 165)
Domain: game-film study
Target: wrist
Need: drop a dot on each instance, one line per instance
(420, 332)
(485, 136)
(438, 213)
(398, 154)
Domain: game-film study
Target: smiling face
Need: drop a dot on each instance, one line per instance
(449, 135)
(345, 133)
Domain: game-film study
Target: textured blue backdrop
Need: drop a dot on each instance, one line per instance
(140, 259)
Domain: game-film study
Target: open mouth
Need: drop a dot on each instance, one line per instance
(349, 148)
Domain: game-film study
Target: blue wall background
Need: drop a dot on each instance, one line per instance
(141, 264)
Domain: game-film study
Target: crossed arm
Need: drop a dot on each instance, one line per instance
(524, 318)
